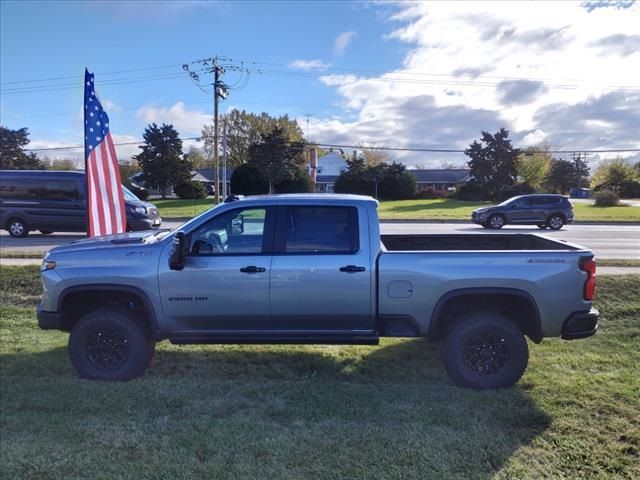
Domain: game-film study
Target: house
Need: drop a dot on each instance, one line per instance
(208, 177)
(330, 166)
(440, 179)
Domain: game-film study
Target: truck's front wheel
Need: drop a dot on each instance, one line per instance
(108, 344)
(485, 350)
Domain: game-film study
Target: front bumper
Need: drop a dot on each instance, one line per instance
(138, 224)
(580, 325)
(479, 218)
(48, 320)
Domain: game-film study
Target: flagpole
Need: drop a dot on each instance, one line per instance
(86, 165)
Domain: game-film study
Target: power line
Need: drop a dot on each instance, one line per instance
(99, 73)
(358, 147)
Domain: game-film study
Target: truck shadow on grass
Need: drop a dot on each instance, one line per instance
(278, 412)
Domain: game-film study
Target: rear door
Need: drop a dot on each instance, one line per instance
(321, 275)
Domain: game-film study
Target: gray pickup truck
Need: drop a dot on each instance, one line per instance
(314, 269)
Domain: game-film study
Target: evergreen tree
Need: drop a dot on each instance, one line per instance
(161, 159)
(12, 153)
(493, 163)
(276, 158)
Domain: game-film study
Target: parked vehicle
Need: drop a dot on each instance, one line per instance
(314, 269)
(545, 211)
(579, 193)
(55, 201)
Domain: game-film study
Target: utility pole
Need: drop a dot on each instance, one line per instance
(216, 83)
(224, 159)
(218, 65)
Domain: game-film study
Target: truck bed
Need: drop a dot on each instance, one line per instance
(465, 242)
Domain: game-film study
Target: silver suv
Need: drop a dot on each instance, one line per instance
(545, 211)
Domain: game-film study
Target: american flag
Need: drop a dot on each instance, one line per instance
(104, 190)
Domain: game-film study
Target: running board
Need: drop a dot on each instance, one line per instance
(272, 340)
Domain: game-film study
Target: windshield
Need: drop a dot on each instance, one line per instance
(129, 195)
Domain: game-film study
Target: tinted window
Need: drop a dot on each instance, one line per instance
(39, 189)
(321, 230)
(19, 189)
(522, 203)
(235, 232)
(59, 190)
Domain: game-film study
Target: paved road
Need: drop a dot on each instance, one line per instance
(607, 241)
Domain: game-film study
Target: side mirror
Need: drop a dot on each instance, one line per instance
(237, 225)
(178, 256)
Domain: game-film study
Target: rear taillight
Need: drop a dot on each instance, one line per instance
(589, 266)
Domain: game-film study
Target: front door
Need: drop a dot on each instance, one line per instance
(224, 285)
(321, 278)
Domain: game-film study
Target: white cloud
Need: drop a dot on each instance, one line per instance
(309, 65)
(187, 122)
(549, 71)
(342, 42)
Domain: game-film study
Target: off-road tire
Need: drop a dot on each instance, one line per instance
(484, 350)
(108, 344)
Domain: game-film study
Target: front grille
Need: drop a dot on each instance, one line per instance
(153, 213)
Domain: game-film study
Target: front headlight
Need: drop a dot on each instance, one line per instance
(47, 265)
(141, 210)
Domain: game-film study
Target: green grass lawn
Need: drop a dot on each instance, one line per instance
(441, 209)
(295, 412)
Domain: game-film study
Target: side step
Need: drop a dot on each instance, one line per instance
(189, 339)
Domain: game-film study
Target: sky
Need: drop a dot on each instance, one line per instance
(400, 74)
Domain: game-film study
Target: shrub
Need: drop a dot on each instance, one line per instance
(515, 190)
(190, 189)
(246, 180)
(430, 193)
(606, 198)
(470, 192)
(301, 183)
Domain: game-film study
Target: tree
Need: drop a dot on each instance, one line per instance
(374, 157)
(245, 129)
(561, 176)
(397, 183)
(390, 182)
(12, 153)
(276, 158)
(355, 179)
(493, 163)
(197, 158)
(617, 175)
(128, 170)
(246, 180)
(533, 165)
(161, 159)
(62, 164)
(300, 183)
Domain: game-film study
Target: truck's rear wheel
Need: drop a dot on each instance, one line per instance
(485, 350)
(108, 344)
